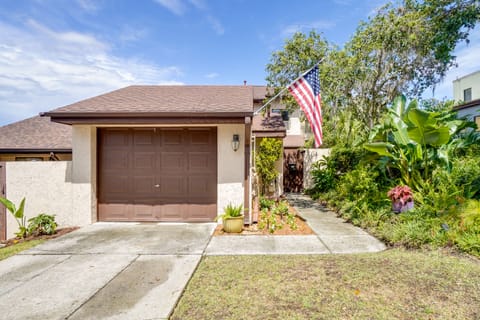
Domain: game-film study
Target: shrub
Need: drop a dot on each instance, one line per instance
(359, 185)
(266, 203)
(42, 224)
(269, 151)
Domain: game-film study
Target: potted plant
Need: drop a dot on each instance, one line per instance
(402, 198)
(232, 218)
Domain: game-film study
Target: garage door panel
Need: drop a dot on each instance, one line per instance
(114, 212)
(172, 212)
(201, 187)
(144, 212)
(201, 161)
(200, 138)
(116, 159)
(143, 137)
(116, 137)
(144, 186)
(172, 186)
(172, 161)
(198, 212)
(118, 185)
(182, 162)
(144, 160)
(172, 137)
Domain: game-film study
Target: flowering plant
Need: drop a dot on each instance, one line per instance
(402, 194)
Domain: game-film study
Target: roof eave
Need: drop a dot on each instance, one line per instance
(469, 104)
(146, 117)
(35, 150)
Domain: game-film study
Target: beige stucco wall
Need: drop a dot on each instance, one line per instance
(47, 187)
(469, 81)
(311, 156)
(84, 171)
(231, 166)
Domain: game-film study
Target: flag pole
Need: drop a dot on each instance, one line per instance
(285, 88)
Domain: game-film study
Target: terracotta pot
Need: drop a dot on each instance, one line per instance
(233, 224)
(398, 207)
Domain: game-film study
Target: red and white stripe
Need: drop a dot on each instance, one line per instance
(311, 105)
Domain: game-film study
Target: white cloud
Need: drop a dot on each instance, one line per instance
(88, 5)
(216, 25)
(298, 27)
(468, 61)
(179, 7)
(175, 6)
(41, 69)
(212, 75)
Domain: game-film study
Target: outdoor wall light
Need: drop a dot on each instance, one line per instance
(235, 142)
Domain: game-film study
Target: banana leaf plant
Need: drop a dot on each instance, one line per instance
(18, 214)
(411, 139)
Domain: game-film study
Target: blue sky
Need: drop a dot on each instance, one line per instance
(56, 52)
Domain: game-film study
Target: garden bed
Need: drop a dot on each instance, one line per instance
(302, 228)
(59, 232)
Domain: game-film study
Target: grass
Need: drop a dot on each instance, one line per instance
(16, 248)
(395, 284)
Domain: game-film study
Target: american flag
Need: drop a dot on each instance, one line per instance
(306, 90)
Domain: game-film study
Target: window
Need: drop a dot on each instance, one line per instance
(477, 121)
(467, 95)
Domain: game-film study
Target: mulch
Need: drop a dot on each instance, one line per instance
(59, 232)
(302, 228)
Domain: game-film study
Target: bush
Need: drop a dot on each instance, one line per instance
(43, 224)
(266, 203)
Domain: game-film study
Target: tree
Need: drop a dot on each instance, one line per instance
(406, 47)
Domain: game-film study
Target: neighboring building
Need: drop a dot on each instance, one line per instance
(35, 139)
(467, 90)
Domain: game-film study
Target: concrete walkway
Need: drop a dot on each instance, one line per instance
(104, 271)
(333, 235)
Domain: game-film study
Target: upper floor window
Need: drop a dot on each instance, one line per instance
(467, 95)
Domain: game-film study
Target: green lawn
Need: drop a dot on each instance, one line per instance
(16, 248)
(395, 284)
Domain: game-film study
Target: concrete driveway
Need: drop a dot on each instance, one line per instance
(104, 271)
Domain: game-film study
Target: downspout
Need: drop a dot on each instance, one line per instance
(247, 198)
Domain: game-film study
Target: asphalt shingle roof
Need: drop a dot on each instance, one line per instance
(37, 133)
(140, 99)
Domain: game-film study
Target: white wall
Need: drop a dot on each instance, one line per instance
(295, 126)
(469, 81)
(231, 166)
(47, 187)
(311, 156)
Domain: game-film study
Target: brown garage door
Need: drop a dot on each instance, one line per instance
(157, 174)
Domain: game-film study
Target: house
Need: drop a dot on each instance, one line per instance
(140, 153)
(467, 90)
(35, 139)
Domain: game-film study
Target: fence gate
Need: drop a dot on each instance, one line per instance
(3, 217)
(292, 170)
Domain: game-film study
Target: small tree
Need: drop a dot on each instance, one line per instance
(269, 151)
